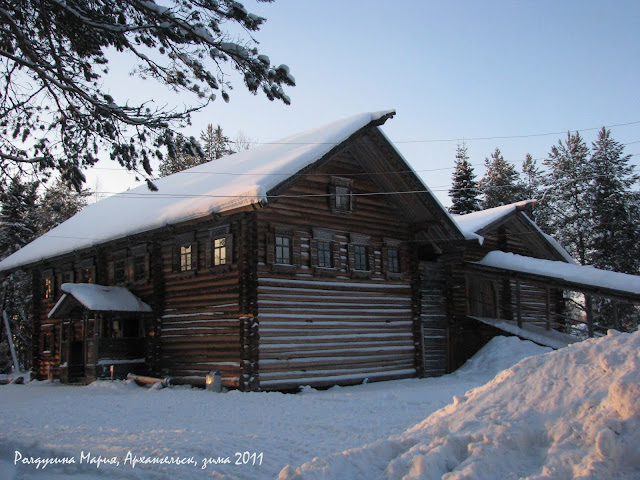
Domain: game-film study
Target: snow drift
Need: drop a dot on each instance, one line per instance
(569, 414)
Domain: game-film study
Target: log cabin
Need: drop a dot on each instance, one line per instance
(321, 259)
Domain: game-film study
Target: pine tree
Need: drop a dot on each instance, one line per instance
(18, 226)
(616, 230)
(616, 220)
(58, 204)
(215, 143)
(183, 153)
(532, 179)
(464, 191)
(566, 196)
(500, 184)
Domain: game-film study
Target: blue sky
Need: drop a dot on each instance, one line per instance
(451, 69)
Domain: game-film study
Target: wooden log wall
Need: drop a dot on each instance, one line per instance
(201, 329)
(434, 318)
(333, 326)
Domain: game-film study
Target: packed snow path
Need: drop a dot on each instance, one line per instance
(110, 419)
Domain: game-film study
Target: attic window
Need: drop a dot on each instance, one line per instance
(342, 199)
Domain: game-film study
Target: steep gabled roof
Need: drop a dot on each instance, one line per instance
(222, 186)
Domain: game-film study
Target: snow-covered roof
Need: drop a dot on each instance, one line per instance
(472, 224)
(99, 298)
(579, 274)
(235, 181)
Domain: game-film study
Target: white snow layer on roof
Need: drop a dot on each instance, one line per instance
(583, 274)
(572, 413)
(237, 180)
(99, 298)
(472, 223)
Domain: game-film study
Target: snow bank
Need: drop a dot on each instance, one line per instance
(47, 419)
(570, 414)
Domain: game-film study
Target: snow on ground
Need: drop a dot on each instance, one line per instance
(51, 421)
(571, 414)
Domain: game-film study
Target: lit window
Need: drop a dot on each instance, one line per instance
(325, 258)
(283, 250)
(220, 251)
(185, 258)
(48, 288)
(360, 257)
(393, 263)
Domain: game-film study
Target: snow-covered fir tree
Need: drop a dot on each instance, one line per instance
(59, 203)
(615, 233)
(566, 200)
(18, 226)
(215, 144)
(464, 192)
(500, 184)
(183, 153)
(531, 180)
(616, 225)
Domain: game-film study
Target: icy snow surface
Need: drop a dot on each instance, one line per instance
(572, 273)
(99, 298)
(109, 419)
(570, 414)
(238, 180)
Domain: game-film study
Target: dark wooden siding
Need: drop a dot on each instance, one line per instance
(333, 327)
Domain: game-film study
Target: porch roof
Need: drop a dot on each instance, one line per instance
(563, 275)
(97, 298)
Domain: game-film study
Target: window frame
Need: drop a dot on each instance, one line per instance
(357, 242)
(393, 245)
(185, 257)
(212, 251)
(278, 259)
(341, 198)
(48, 285)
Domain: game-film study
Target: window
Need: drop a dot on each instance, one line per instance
(185, 258)
(360, 257)
(139, 267)
(283, 250)
(341, 195)
(325, 257)
(120, 270)
(342, 198)
(86, 271)
(393, 262)
(48, 288)
(219, 251)
(67, 277)
(47, 341)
